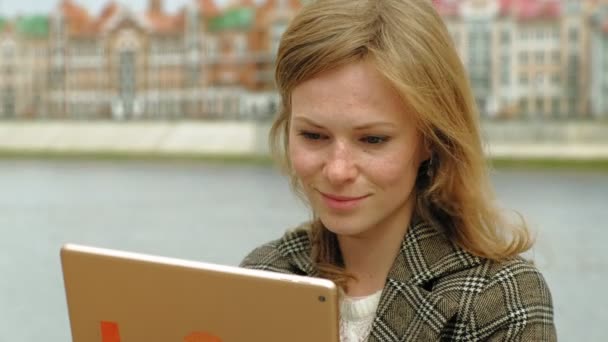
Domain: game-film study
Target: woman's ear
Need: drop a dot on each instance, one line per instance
(427, 150)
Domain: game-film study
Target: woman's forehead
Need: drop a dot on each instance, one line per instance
(355, 91)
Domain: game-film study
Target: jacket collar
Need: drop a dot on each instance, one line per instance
(426, 254)
(409, 310)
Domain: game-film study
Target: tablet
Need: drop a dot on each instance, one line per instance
(116, 296)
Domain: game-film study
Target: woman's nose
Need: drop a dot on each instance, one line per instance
(340, 166)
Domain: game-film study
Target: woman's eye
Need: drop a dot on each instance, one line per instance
(311, 136)
(373, 140)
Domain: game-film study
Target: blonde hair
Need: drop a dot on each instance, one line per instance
(410, 46)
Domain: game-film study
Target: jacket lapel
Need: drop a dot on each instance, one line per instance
(409, 310)
(296, 247)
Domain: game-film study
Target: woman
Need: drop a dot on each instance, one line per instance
(379, 133)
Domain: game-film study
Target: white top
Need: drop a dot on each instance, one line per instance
(356, 317)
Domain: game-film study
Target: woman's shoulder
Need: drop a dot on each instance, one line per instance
(458, 273)
(488, 273)
(516, 282)
(517, 269)
(503, 297)
(287, 254)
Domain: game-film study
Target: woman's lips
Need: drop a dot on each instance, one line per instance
(341, 203)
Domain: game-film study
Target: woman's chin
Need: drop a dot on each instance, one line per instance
(343, 227)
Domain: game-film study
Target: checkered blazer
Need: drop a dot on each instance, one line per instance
(436, 291)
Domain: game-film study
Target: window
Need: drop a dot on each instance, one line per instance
(523, 78)
(556, 78)
(573, 70)
(523, 57)
(540, 57)
(8, 103)
(573, 34)
(505, 71)
(127, 79)
(214, 106)
(523, 106)
(272, 106)
(556, 56)
(275, 35)
(571, 107)
(155, 47)
(211, 46)
(540, 105)
(240, 45)
(555, 106)
(174, 111)
(605, 51)
(539, 79)
(505, 79)
(505, 37)
(85, 49)
(57, 77)
(8, 50)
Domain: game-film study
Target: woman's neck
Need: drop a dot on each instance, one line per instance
(370, 256)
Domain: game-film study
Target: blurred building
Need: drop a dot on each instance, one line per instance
(525, 58)
(530, 58)
(23, 67)
(599, 52)
(198, 63)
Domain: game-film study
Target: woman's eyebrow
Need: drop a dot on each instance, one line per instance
(375, 124)
(367, 125)
(307, 120)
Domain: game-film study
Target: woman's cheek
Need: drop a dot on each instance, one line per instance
(305, 163)
(393, 170)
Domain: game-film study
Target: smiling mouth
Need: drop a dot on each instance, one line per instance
(342, 198)
(342, 203)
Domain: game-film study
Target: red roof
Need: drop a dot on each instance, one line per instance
(74, 11)
(161, 22)
(208, 8)
(244, 3)
(531, 9)
(270, 4)
(80, 23)
(520, 9)
(8, 28)
(77, 17)
(447, 8)
(267, 11)
(106, 13)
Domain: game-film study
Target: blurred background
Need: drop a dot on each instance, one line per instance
(142, 126)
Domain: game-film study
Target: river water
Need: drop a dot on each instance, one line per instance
(217, 213)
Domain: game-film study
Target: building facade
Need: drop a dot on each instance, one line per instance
(200, 63)
(526, 59)
(529, 59)
(23, 67)
(599, 62)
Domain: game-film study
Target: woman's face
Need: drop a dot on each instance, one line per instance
(355, 149)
